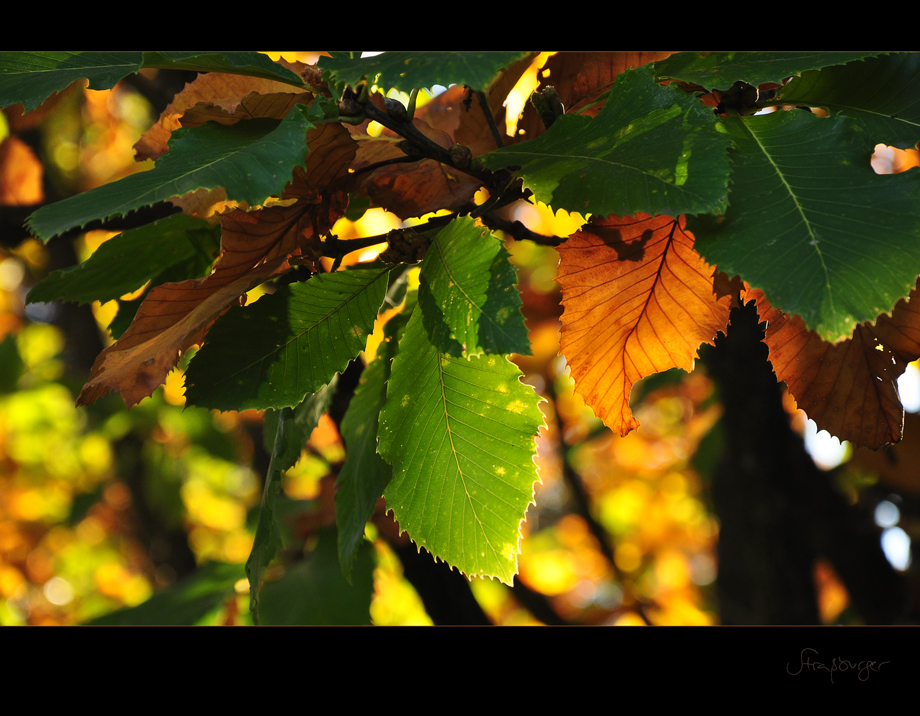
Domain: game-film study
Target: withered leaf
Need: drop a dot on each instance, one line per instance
(849, 388)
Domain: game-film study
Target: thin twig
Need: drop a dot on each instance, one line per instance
(487, 111)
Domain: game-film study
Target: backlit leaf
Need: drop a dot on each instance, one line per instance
(126, 262)
(365, 475)
(32, 77)
(460, 434)
(175, 316)
(880, 92)
(468, 296)
(638, 300)
(268, 540)
(408, 70)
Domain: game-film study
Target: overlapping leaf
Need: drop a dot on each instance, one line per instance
(251, 160)
(811, 224)
(365, 475)
(580, 78)
(651, 149)
(126, 262)
(719, 70)
(32, 77)
(288, 344)
(881, 93)
(222, 91)
(459, 434)
(469, 301)
(409, 70)
(267, 539)
(638, 300)
(176, 316)
(848, 388)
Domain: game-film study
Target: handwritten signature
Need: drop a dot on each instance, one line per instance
(863, 668)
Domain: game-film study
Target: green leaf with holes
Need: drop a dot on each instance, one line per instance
(880, 93)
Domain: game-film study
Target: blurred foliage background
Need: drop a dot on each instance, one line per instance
(148, 515)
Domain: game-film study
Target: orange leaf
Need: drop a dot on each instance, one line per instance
(638, 300)
(848, 388)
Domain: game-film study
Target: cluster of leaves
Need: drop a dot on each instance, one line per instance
(697, 199)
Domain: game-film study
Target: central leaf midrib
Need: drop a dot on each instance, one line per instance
(801, 211)
(455, 282)
(456, 455)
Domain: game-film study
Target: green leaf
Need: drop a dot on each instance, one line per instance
(410, 70)
(126, 262)
(880, 93)
(32, 77)
(250, 64)
(268, 541)
(468, 296)
(812, 225)
(252, 160)
(720, 70)
(459, 434)
(651, 149)
(313, 592)
(365, 475)
(304, 420)
(288, 344)
(183, 603)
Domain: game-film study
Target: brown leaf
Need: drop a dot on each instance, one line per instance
(848, 388)
(175, 316)
(332, 149)
(895, 465)
(448, 114)
(412, 188)
(275, 105)
(638, 300)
